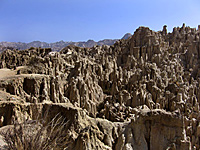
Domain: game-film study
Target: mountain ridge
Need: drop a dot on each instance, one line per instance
(57, 46)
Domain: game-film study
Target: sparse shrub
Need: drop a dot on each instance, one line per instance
(36, 135)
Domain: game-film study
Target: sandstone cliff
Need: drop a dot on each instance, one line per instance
(140, 93)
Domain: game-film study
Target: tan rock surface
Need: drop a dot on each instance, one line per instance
(140, 93)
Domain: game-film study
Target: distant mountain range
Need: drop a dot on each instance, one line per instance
(57, 46)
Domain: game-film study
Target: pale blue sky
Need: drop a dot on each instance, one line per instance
(80, 20)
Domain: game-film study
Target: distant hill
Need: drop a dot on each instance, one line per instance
(2, 48)
(126, 36)
(57, 46)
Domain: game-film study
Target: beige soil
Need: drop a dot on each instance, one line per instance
(5, 73)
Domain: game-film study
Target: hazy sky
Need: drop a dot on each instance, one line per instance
(80, 20)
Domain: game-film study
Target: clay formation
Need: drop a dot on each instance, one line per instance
(142, 93)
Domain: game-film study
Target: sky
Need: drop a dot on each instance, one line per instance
(81, 20)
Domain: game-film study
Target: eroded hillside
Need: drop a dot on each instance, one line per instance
(140, 93)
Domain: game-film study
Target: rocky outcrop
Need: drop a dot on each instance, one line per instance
(140, 93)
(142, 132)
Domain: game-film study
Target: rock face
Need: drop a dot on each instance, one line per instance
(140, 93)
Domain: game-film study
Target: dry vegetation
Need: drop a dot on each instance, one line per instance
(36, 135)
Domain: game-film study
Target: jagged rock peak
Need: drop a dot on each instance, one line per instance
(140, 93)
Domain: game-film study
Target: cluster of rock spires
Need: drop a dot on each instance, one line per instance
(57, 46)
(140, 93)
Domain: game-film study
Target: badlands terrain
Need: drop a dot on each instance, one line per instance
(142, 93)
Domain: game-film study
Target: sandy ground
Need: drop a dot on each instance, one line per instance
(7, 72)
(4, 73)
